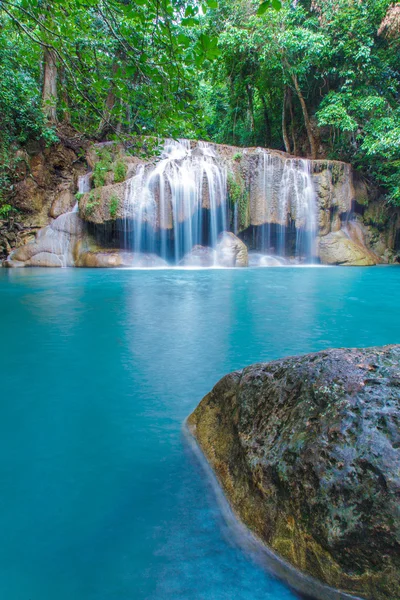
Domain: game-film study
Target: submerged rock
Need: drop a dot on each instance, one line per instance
(266, 260)
(307, 450)
(113, 258)
(199, 256)
(231, 251)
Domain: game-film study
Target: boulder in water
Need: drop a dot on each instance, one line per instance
(46, 244)
(199, 256)
(307, 450)
(100, 259)
(231, 251)
(44, 259)
(113, 258)
(337, 248)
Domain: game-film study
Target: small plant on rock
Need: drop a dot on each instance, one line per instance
(114, 203)
(120, 169)
(6, 210)
(93, 203)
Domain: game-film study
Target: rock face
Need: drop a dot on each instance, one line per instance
(307, 450)
(274, 201)
(230, 251)
(54, 246)
(45, 182)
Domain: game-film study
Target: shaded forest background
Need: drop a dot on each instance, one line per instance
(317, 79)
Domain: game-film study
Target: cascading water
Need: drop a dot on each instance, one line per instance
(83, 187)
(177, 204)
(286, 203)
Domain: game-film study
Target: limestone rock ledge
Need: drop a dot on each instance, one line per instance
(307, 450)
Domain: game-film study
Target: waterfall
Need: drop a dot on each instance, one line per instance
(83, 187)
(177, 204)
(285, 201)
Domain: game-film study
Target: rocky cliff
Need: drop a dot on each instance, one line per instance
(273, 202)
(307, 450)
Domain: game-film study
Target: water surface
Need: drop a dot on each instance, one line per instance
(100, 496)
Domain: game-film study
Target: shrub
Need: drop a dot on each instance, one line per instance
(120, 169)
(92, 204)
(102, 167)
(114, 203)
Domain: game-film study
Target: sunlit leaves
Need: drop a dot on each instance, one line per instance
(264, 6)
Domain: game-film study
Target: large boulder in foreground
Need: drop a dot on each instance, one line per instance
(307, 450)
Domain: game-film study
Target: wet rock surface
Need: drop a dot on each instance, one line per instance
(338, 248)
(112, 258)
(307, 450)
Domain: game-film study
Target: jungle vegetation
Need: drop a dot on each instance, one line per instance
(315, 78)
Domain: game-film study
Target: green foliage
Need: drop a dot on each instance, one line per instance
(323, 66)
(237, 156)
(92, 203)
(239, 196)
(120, 170)
(227, 70)
(78, 196)
(264, 6)
(6, 210)
(114, 203)
(102, 167)
(21, 118)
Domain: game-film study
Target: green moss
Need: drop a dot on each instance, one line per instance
(78, 196)
(376, 215)
(114, 203)
(239, 195)
(119, 169)
(237, 156)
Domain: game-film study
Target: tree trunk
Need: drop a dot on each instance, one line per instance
(292, 130)
(105, 120)
(104, 125)
(307, 122)
(251, 110)
(49, 91)
(65, 99)
(284, 126)
(267, 122)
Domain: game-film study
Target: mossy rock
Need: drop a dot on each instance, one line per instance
(307, 450)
